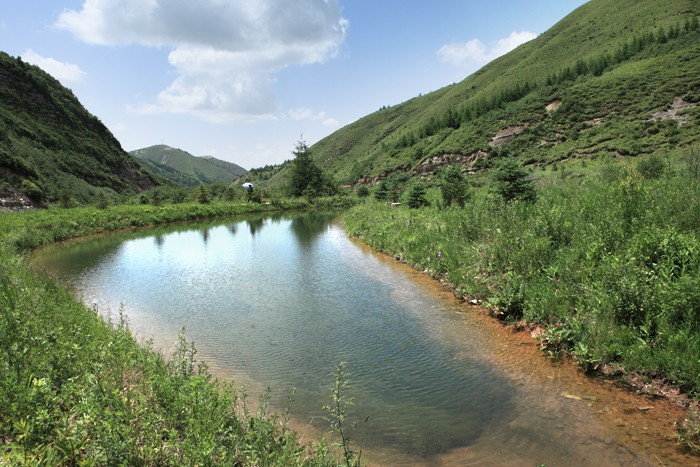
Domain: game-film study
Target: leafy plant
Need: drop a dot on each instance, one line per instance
(338, 411)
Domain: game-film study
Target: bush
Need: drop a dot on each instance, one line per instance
(652, 167)
(30, 189)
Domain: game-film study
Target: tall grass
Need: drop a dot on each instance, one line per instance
(75, 389)
(608, 264)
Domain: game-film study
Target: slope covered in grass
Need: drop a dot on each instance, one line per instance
(185, 169)
(51, 148)
(595, 84)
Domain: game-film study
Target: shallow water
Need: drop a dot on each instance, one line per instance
(280, 301)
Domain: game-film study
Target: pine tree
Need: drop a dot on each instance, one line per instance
(416, 196)
(305, 177)
(512, 182)
(453, 186)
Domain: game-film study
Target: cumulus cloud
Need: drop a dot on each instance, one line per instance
(225, 53)
(66, 73)
(476, 53)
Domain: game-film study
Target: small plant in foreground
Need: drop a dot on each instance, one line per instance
(338, 412)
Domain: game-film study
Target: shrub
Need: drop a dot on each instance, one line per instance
(652, 167)
(363, 191)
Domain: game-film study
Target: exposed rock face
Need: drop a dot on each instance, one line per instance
(553, 106)
(15, 201)
(430, 165)
(674, 112)
(443, 160)
(506, 134)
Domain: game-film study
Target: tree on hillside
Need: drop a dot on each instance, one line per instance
(306, 178)
(202, 195)
(416, 196)
(512, 182)
(454, 187)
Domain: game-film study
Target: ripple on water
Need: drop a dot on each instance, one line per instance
(282, 302)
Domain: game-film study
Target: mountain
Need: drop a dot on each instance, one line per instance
(235, 169)
(185, 169)
(51, 148)
(615, 77)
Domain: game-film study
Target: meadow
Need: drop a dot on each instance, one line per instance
(77, 388)
(606, 261)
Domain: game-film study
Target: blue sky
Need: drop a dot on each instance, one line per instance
(243, 80)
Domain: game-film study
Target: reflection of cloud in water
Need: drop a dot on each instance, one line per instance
(285, 307)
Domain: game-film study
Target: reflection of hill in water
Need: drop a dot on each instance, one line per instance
(308, 226)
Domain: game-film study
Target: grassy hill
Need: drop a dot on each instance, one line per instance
(51, 148)
(185, 169)
(612, 78)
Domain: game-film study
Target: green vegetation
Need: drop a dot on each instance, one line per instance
(607, 263)
(512, 182)
(183, 168)
(453, 187)
(306, 178)
(612, 78)
(51, 148)
(75, 389)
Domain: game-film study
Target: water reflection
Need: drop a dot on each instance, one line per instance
(282, 300)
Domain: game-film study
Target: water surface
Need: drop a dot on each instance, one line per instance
(280, 301)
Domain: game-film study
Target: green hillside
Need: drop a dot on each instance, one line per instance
(185, 169)
(51, 148)
(612, 78)
(235, 169)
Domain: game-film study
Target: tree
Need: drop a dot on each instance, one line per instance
(454, 187)
(306, 177)
(512, 182)
(416, 196)
(363, 191)
(202, 196)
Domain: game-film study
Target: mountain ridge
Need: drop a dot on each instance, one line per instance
(611, 65)
(52, 148)
(183, 168)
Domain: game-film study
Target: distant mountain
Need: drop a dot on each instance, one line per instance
(185, 169)
(235, 169)
(614, 78)
(51, 148)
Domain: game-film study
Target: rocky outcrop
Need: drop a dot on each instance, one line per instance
(505, 135)
(15, 201)
(438, 161)
(675, 111)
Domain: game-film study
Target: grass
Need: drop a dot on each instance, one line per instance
(76, 389)
(610, 65)
(607, 261)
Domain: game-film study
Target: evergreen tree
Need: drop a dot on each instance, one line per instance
(512, 182)
(454, 187)
(382, 191)
(306, 177)
(416, 196)
(202, 195)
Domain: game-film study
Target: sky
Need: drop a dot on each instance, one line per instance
(245, 80)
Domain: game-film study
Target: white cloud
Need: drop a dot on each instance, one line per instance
(66, 73)
(225, 53)
(303, 113)
(476, 53)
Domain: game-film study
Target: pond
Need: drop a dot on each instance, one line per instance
(281, 300)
